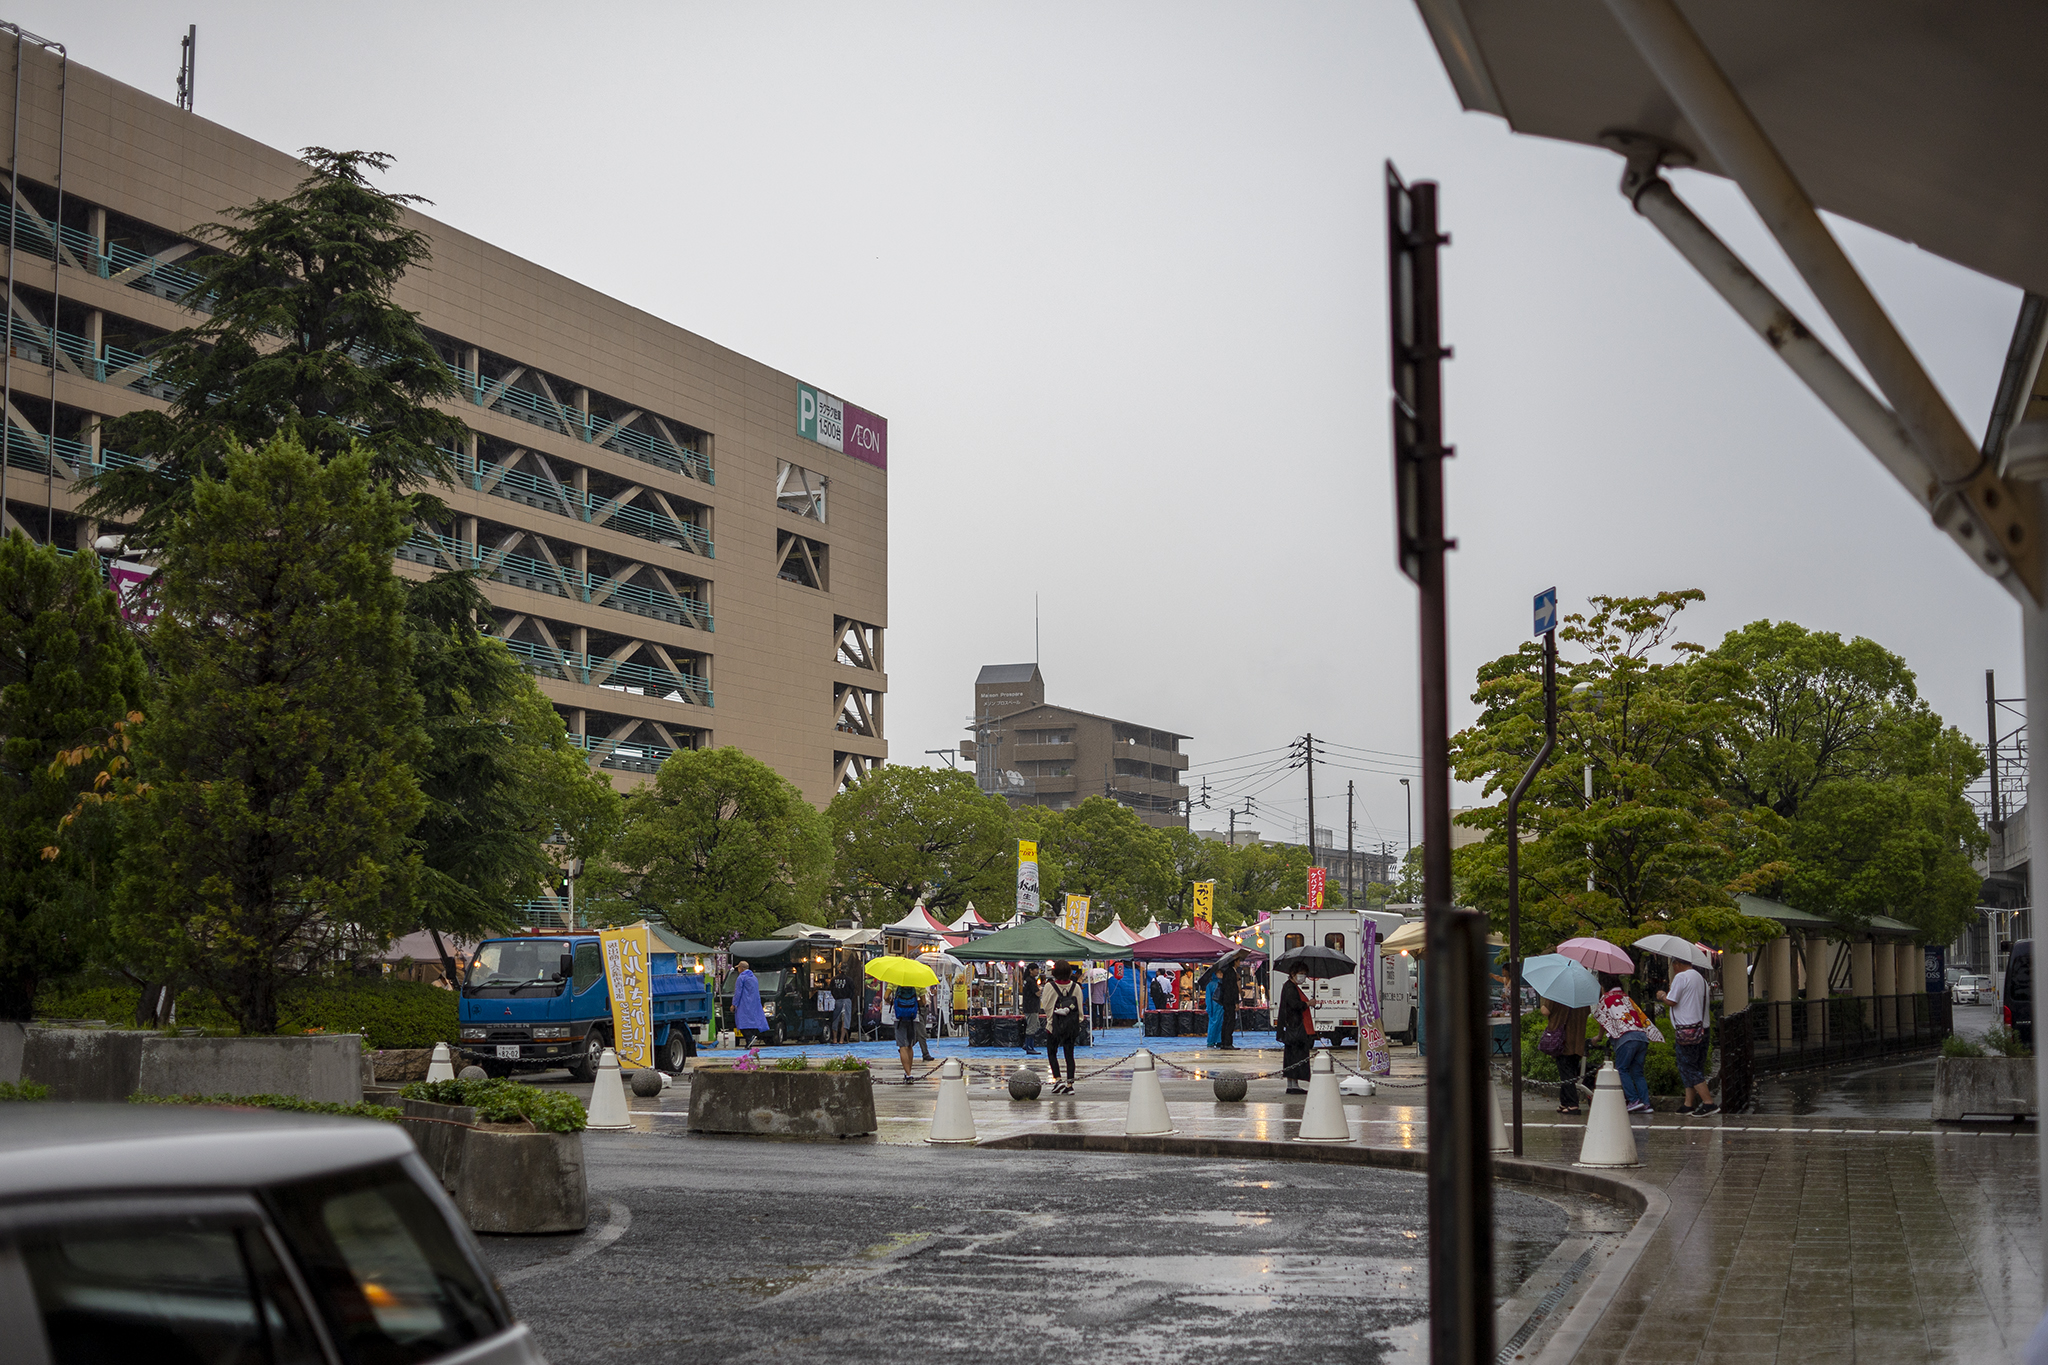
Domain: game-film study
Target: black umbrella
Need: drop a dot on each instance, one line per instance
(1320, 963)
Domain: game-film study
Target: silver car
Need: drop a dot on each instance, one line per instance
(1971, 990)
(160, 1233)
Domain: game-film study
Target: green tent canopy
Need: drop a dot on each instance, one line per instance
(1036, 939)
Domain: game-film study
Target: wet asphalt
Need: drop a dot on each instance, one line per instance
(730, 1250)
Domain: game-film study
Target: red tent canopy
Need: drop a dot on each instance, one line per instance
(1184, 945)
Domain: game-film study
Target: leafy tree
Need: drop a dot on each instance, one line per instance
(905, 834)
(1259, 878)
(719, 845)
(1106, 853)
(299, 337)
(498, 772)
(1657, 838)
(277, 801)
(69, 673)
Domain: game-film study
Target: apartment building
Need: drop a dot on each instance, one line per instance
(1036, 754)
(687, 547)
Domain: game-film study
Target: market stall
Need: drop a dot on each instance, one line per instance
(1187, 1014)
(1125, 984)
(995, 1014)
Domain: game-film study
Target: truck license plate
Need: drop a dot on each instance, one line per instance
(508, 1052)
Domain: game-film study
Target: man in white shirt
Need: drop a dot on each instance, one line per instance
(1687, 998)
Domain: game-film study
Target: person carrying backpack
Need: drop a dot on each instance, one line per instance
(1063, 1024)
(906, 1002)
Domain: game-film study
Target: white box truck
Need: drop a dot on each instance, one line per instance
(1335, 999)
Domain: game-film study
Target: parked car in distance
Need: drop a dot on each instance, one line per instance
(165, 1233)
(2019, 990)
(1972, 990)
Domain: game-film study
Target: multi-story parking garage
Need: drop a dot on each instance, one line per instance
(687, 547)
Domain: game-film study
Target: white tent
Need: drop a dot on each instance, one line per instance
(1119, 934)
(919, 923)
(970, 920)
(1151, 929)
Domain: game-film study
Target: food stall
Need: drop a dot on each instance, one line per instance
(998, 1020)
(1189, 1014)
(1126, 986)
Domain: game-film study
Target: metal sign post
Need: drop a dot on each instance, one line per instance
(1460, 1162)
(1546, 626)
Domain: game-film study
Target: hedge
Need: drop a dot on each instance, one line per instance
(503, 1101)
(389, 1013)
(291, 1102)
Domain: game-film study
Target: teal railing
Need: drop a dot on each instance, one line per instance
(530, 490)
(590, 670)
(524, 572)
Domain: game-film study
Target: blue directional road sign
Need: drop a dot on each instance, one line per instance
(1546, 611)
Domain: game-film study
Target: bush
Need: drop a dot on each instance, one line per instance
(503, 1101)
(26, 1090)
(847, 1063)
(1660, 1068)
(2006, 1043)
(1955, 1045)
(388, 1013)
(1537, 1065)
(290, 1102)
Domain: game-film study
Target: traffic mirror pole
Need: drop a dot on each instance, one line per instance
(1546, 625)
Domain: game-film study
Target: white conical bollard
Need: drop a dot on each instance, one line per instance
(1500, 1129)
(1322, 1114)
(1610, 1137)
(952, 1120)
(1146, 1116)
(608, 1112)
(442, 1067)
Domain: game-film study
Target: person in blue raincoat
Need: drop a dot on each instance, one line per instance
(747, 1016)
(1212, 996)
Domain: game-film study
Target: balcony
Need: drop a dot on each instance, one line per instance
(524, 405)
(1049, 753)
(547, 495)
(630, 757)
(688, 688)
(539, 576)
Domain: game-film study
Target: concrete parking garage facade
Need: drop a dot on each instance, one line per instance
(687, 547)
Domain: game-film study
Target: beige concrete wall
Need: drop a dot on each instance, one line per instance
(771, 658)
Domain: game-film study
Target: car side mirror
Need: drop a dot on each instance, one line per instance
(568, 966)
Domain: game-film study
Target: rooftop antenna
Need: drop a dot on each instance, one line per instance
(188, 49)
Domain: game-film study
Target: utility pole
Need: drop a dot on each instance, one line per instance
(188, 55)
(1306, 755)
(1991, 748)
(1408, 795)
(1350, 837)
(1458, 1081)
(1546, 625)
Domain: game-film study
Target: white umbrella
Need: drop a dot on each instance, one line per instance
(944, 963)
(1671, 945)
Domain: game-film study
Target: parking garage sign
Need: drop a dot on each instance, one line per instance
(838, 425)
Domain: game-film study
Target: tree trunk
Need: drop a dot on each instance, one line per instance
(153, 1007)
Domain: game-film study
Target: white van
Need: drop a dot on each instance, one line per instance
(1335, 1000)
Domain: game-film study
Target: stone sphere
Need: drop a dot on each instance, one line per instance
(1024, 1085)
(1230, 1085)
(647, 1083)
(472, 1073)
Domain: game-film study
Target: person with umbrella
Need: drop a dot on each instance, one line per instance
(1568, 992)
(1297, 1026)
(1687, 998)
(907, 1001)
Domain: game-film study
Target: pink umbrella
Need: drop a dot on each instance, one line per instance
(1598, 954)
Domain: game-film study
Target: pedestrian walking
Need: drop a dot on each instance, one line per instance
(1034, 1021)
(1063, 1024)
(928, 1005)
(747, 1015)
(1632, 1033)
(842, 1015)
(1297, 1032)
(1564, 1039)
(906, 1003)
(1687, 998)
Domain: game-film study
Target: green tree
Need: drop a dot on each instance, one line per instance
(498, 772)
(1658, 839)
(274, 818)
(1103, 851)
(69, 674)
(719, 845)
(1259, 879)
(903, 835)
(300, 337)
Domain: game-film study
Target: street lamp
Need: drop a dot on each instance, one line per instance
(571, 870)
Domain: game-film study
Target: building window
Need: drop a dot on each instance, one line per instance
(800, 559)
(801, 491)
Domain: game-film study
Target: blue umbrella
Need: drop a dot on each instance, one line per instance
(1558, 978)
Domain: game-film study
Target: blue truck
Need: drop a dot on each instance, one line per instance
(533, 1002)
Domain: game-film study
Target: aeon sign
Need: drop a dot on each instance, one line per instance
(838, 425)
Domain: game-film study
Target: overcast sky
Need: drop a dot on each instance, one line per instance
(1115, 275)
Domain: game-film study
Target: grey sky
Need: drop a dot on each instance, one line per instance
(1115, 276)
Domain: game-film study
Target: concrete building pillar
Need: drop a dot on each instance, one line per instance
(1820, 961)
(1778, 985)
(1734, 983)
(1861, 984)
(1884, 975)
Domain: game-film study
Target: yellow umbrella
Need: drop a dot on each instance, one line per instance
(901, 971)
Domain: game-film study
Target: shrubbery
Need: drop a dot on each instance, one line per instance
(26, 1090)
(502, 1101)
(290, 1102)
(388, 1013)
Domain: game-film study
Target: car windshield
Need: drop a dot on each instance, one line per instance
(517, 961)
(770, 982)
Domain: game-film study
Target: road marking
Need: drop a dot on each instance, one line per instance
(614, 1228)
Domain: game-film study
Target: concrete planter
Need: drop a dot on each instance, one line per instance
(503, 1177)
(806, 1104)
(112, 1064)
(1983, 1087)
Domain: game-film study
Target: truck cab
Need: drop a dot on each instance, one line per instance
(1335, 999)
(534, 1002)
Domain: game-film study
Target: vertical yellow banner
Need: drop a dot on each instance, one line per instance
(1076, 918)
(1204, 912)
(625, 978)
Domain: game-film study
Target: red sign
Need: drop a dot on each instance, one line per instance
(1316, 877)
